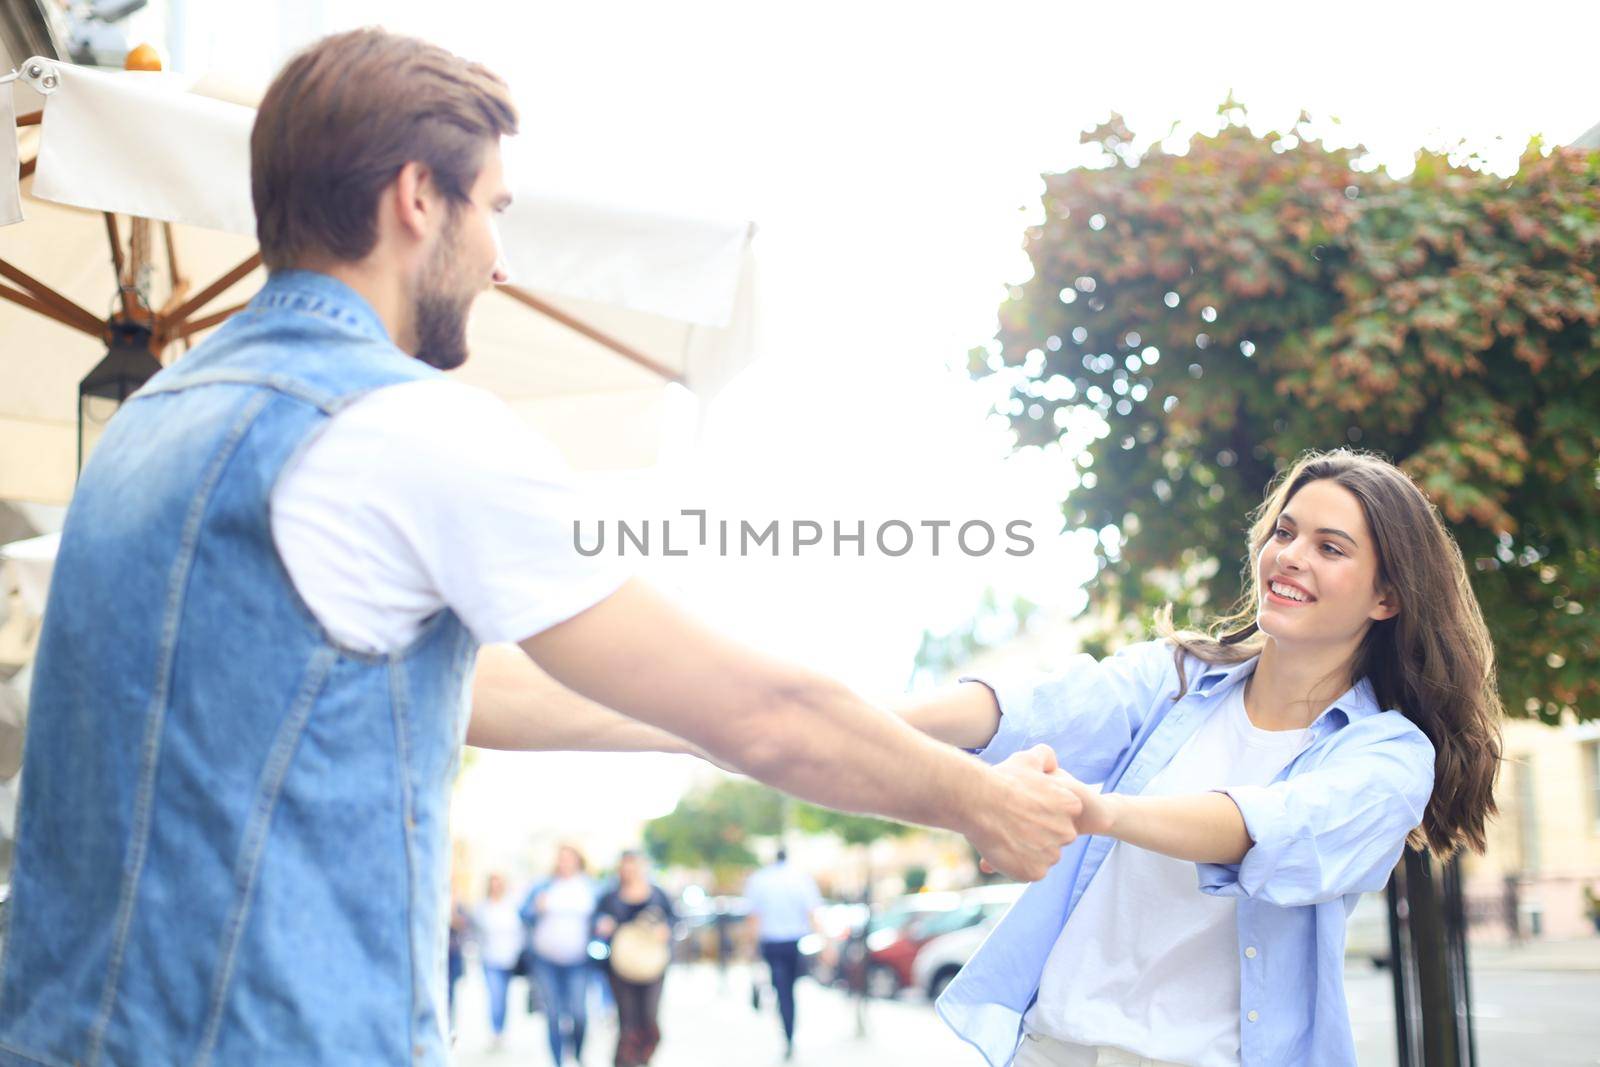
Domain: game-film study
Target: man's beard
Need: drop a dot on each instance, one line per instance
(440, 309)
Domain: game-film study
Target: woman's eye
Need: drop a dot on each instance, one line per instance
(1334, 549)
(1280, 532)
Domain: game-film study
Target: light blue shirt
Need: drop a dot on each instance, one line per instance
(782, 898)
(1330, 827)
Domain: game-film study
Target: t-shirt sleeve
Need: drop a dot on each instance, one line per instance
(488, 508)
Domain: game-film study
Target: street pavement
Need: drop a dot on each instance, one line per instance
(1532, 1006)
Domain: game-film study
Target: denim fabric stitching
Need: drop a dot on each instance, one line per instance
(287, 386)
(31, 1057)
(255, 837)
(400, 704)
(150, 756)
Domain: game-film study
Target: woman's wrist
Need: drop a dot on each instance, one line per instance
(1113, 815)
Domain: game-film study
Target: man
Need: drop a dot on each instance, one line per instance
(783, 909)
(272, 586)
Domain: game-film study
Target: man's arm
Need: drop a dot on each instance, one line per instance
(801, 732)
(515, 705)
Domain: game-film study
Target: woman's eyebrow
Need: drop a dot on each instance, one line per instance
(1288, 518)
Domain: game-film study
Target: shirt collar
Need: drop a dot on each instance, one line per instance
(1355, 703)
(312, 291)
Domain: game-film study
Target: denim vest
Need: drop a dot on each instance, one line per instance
(232, 843)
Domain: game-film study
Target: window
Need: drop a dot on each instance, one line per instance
(1591, 765)
(1527, 820)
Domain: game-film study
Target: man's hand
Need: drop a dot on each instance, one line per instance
(1028, 817)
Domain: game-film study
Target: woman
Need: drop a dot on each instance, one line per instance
(561, 914)
(638, 914)
(1256, 782)
(500, 935)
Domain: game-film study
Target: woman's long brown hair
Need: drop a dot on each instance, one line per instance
(1433, 662)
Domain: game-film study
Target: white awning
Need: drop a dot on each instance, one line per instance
(608, 303)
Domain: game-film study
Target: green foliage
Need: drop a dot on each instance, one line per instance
(1211, 315)
(713, 828)
(851, 829)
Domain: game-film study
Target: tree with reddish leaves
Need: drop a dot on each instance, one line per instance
(1209, 315)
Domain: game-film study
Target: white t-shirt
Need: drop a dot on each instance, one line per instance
(500, 932)
(1146, 962)
(561, 932)
(429, 495)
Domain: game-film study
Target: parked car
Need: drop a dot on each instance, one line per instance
(881, 928)
(705, 925)
(838, 922)
(942, 957)
(891, 964)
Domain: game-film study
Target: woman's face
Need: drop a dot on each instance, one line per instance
(566, 863)
(1317, 574)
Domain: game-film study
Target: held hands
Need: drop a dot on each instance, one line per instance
(1030, 817)
(1095, 811)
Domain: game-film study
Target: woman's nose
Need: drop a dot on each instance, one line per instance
(1289, 556)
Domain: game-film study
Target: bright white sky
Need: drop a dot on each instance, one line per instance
(890, 154)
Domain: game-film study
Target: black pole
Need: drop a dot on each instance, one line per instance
(1428, 943)
(1403, 969)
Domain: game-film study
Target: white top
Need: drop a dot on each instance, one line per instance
(782, 897)
(429, 495)
(561, 927)
(500, 932)
(1147, 962)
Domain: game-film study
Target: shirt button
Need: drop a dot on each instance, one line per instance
(1253, 1016)
(418, 1051)
(1250, 953)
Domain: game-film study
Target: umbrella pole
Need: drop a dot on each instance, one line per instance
(621, 348)
(52, 303)
(22, 299)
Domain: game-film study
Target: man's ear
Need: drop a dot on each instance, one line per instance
(1388, 606)
(415, 200)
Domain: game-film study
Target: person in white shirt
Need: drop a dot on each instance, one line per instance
(560, 913)
(783, 903)
(500, 937)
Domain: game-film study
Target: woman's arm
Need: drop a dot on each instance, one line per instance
(965, 715)
(1199, 827)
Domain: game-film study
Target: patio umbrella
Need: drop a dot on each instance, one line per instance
(138, 229)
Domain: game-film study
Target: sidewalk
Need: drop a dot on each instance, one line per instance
(1581, 954)
(710, 1023)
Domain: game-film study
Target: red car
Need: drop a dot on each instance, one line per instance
(904, 928)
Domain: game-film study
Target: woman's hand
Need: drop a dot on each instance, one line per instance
(1099, 809)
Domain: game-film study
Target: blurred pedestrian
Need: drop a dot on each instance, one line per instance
(1511, 907)
(456, 959)
(560, 915)
(500, 937)
(635, 920)
(783, 909)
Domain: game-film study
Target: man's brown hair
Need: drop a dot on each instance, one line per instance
(341, 120)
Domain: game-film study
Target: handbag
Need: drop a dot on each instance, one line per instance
(639, 954)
